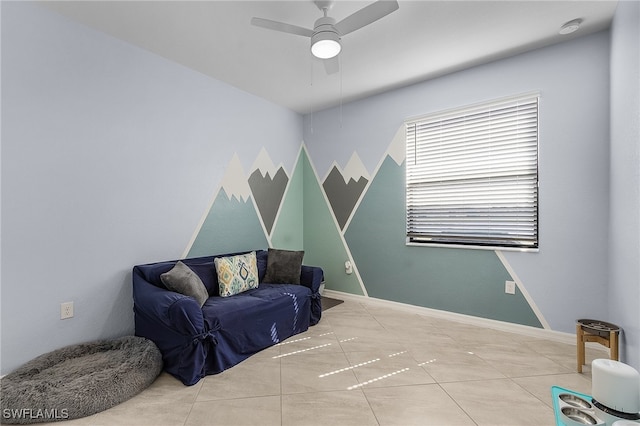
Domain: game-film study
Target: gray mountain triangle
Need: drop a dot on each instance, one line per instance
(343, 196)
(267, 193)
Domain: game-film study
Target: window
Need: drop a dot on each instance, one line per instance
(472, 175)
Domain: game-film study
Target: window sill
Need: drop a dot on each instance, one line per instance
(470, 247)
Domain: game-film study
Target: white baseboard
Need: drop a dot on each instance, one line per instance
(525, 330)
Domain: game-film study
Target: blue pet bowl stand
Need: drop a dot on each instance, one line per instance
(555, 392)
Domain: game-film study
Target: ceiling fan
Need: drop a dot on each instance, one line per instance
(326, 33)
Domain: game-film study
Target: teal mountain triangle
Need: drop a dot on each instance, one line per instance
(231, 225)
(288, 230)
(322, 241)
(469, 282)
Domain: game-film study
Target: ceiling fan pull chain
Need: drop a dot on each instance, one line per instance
(341, 73)
(311, 85)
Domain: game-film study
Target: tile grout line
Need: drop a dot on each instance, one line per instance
(281, 393)
(529, 392)
(370, 406)
(457, 403)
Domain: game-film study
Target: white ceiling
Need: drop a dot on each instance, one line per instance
(421, 40)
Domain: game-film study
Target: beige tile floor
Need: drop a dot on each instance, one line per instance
(367, 365)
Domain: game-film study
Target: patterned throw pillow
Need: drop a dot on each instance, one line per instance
(237, 273)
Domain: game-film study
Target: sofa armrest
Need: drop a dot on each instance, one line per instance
(167, 309)
(175, 323)
(311, 276)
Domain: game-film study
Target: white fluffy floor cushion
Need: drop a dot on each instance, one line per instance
(79, 380)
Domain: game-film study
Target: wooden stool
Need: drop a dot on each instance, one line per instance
(605, 333)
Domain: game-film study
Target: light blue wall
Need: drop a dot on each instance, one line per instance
(110, 157)
(567, 277)
(624, 253)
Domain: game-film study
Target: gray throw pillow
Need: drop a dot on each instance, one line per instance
(283, 266)
(183, 280)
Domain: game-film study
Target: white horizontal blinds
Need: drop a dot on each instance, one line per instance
(472, 175)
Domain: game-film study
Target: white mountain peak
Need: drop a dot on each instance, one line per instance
(397, 148)
(264, 163)
(354, 169)
(234, 181)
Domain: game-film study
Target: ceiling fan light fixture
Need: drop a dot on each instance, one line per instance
(325, 45)
(570, 27)
(326, 33)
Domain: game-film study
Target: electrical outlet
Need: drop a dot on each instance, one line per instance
(66, 310)
(348, 267)
(510, 287)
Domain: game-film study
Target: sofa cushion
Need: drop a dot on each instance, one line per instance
(258, 318)
(283, 266)
(207, 273)
(183, 280)
(261, 257)
(236, 274)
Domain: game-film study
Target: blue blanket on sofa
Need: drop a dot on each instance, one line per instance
(197, 341)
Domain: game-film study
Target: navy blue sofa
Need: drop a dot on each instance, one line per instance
(198, 341)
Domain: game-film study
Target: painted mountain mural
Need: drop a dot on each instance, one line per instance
(288, 229)
(267, 186)
(344, 188)
(267, 193)
(323, 243)
(469, 282)
(231, 224)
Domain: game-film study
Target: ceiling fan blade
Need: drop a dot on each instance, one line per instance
(366, 16)
(281, 26)
(331, 65)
